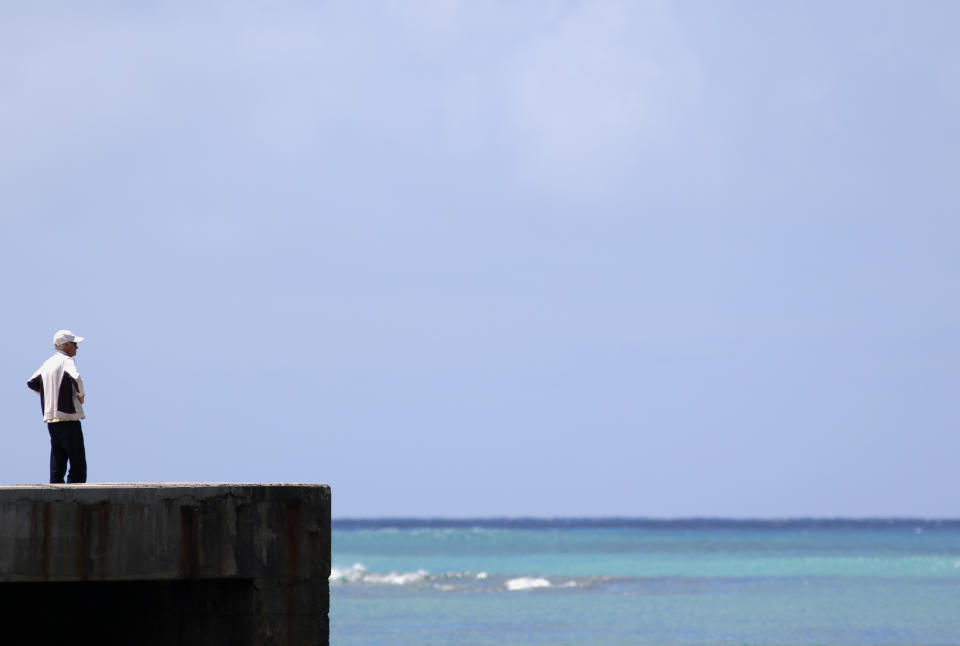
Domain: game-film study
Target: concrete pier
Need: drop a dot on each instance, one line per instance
(165, 563)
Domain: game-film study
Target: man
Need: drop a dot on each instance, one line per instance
(61, 398)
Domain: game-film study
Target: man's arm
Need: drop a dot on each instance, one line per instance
(70, 368)
(80, 391)
(35, 383)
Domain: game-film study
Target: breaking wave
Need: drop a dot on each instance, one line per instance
(527, 583)
(359, 575)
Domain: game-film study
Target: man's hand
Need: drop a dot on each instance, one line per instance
(80, 397)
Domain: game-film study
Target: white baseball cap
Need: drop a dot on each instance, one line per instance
(66, 336)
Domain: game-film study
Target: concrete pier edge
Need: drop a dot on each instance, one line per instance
(168, 562)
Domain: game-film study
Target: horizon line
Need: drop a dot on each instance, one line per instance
(645, 520)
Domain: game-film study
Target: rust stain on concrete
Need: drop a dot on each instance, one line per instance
(82, 546)
(292, 536)
(103, 536)
(189, 541)
(40, 528)
(292, 518)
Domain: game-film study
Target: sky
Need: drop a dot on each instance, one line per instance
(463, 259)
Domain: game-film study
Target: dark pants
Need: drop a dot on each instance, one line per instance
(66, 443)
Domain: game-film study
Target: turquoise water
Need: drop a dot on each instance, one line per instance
(643, 582)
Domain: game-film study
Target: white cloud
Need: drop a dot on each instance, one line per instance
(567, 97)
(437, 22)
(560, 94)
(597, 88)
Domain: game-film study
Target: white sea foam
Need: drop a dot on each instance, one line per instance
(399, 578)
(359, 574)
(527, 583)
(353, 574)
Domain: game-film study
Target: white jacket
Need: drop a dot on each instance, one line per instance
(60, 388)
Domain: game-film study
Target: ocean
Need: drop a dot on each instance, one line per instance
(645, 582)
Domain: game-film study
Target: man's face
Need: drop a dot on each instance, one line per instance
(69, 348)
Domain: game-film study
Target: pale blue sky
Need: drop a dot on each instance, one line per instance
(493, 258)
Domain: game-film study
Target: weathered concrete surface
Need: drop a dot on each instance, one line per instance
(177, 563)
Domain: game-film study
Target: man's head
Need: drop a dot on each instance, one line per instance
(66, 341)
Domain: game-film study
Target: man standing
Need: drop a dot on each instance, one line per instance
(61, 398)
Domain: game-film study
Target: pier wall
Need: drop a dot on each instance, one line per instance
(166, 563)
